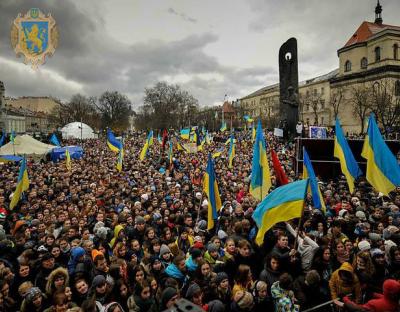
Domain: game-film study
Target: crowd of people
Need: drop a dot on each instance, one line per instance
(96, 239)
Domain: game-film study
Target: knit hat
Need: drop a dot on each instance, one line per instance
(377, 252)
(195, 253)
(212, 247)
(154, 259)
(220, 277)
(361, 215)
(192, 290)
(374, 237)
(244, 300)
(364, 246)
(98, 280)
(157, 216)
(216, 306)
(95, 253)
(47, 256)
(342, 213)
(198, 245)
(202, 225)
(167, 295)
(164, 249)
(32, 293)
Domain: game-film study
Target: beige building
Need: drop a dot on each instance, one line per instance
(368, 75)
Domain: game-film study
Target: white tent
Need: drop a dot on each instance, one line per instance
(73, 131)
(26, 145)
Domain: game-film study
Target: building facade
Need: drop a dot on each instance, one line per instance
(368, 79)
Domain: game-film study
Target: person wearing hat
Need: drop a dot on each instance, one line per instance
(34, 300)
(165, 255)
(211, 255)
(47, 265)
(242, 301)
(223, 289)
(195, 294)
(99, 289)
(139, 229)
(193, 261)
(168, 298)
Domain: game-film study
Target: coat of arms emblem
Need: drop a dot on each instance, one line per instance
(35, 36)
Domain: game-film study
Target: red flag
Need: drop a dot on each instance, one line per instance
(164, 138)
(281, 177)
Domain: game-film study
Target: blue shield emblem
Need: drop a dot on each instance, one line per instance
(35, 36)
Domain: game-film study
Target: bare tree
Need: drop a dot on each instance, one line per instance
(360, 96)
(313, 100)
(385, 104)
(336, 99)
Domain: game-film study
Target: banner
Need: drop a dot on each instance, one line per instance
(191, 147)
(278, 132)
(318, 132)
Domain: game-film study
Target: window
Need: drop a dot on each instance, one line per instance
(308, 93)
(364, 63)
(377, 54)
(397, 88)
(315, 92)
(307, 107)
(322, 104)
(322, 120)
(322, 90)
(347, 66)
(395, 51)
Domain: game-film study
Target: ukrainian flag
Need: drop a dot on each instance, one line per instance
(68, 160)
(383, 171)
(253, 133)
(308, 172)
(260, 175)
(342, 151)
(22, 184)
(146, 145)
(283, 204)
(119, 160)
(218, 152)
(112, 142)
(185, 133)
(210, 188)
(231, 151)
(223, 127)
(170, 153)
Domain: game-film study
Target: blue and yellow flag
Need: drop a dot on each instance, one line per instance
(3, 138)
(232, 151)
(170, 153)
(260, 175)
(112, 142)
(210, 188)
(218, 152)
(54, 140)
(223, 127)
(22, 184)
(308, 172)
(185, 133)
(146, 145)
(159, 139)
(68, 160)
(253, 133)
(348, 163)
(248, 119)
(383, 171)
(283, 204)
(119, 160)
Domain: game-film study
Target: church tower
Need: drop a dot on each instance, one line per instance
(378, 14)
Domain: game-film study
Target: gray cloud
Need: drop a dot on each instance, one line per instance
(88, 57)
(182, 15)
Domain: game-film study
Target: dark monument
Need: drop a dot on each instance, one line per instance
(288, 87)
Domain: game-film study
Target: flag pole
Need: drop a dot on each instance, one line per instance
(301, 217)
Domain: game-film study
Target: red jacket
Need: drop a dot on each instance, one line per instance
(388, 302)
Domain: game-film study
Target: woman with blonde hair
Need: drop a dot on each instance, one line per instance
(243, 279)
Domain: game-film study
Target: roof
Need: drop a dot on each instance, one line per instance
(366, 31)
(227, 108)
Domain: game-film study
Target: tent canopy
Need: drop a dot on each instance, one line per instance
(26, 145)
(73, 131)
(58, 153)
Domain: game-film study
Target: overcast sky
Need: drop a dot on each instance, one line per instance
(209, 47)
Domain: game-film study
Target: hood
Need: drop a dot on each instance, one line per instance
(391, 288)
(53, 274)
(118, 228)
(346, 267)
(76, 253)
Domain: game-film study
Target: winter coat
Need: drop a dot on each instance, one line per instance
(340, 289)
(388, 302)
(283, 299)
(50, 281)
(137, 304)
